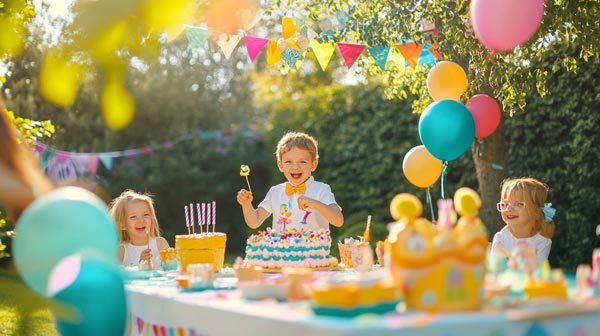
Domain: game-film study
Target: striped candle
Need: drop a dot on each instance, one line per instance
(207, 215)
(192, 217)
(204, 214)
(187, 218)
(198, 215)
(214, 214)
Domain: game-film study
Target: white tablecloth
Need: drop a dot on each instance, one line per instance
(158, 307)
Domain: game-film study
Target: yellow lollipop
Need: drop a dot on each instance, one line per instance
(405, 205)
(245, 171)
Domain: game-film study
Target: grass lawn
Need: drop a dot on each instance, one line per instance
(22, 311)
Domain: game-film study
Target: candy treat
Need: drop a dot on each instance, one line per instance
(245, 172)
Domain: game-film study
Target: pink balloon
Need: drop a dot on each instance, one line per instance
(486, 114)
(504, 24)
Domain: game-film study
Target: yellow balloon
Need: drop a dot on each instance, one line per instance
(421, 168)
(446, 80)
(117, 105)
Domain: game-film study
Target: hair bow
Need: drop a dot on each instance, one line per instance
(548, 211)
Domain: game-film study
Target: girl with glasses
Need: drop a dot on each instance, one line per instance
(527, 216)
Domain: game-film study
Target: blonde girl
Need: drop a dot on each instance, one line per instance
(139, 233)
(527, 216)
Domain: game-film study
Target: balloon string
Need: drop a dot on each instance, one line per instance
(444, 167)
(430, 202)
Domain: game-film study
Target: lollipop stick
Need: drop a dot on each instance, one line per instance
(248, 181)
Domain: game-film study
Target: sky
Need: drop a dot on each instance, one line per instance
(57, 7)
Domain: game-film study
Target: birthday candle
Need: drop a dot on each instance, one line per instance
(187, 218)
(204, 214)
(214, 214)
(192, 217)
(207, 215)
(198, 216)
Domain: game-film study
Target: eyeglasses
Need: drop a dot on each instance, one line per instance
(503, 205)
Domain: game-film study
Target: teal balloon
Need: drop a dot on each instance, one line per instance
(61, 223)
(446, 129)
(94, 304)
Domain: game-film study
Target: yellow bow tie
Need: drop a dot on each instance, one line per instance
(292, 189)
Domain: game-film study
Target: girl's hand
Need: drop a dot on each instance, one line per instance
(146, 256)
(244, 197)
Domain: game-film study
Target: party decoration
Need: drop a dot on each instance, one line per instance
(94, 304)
(350, 52)
(118, 107)
(196, 36)
(446, 80)
(411, 52)
(228, 42)
(63, 222)
(323, 52)
(486, 114)
(228, 16)
(504, 24)
(420, 167)
(245, 172)
(380, 55)
(254, 46)
(447, 129)
(59, 92)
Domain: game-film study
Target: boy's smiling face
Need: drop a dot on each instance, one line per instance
(297, 165)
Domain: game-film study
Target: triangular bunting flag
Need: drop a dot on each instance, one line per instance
(273, 53)
(433, 50)
(411, 52)
(196, 36)
(106, 161)
(323, 52)
(380, 54)
(350, 52)
(227, 43)
(291, 57)
(288, 27)
(399, 60)
(92, 163)
(254, 45)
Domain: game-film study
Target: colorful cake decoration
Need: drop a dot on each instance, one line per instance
(440, 267)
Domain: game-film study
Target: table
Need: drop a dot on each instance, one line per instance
(158, 307)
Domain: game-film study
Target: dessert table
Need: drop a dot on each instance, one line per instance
(158, 307)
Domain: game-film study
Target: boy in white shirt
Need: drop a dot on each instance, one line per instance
(301, 202)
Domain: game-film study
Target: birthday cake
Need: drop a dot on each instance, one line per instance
(290, 248)
(201, 248)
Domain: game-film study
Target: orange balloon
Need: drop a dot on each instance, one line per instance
(421, 168)
(446, 80)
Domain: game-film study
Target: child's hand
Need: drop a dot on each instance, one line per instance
(305, 202)
(244, 197)
(146, 256)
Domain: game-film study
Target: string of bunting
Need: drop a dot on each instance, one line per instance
(291, 48)
(66, 166)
